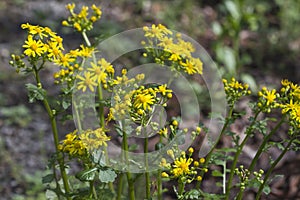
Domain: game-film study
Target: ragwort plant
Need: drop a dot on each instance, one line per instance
(79, 70)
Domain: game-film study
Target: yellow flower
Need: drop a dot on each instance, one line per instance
(33, 47)
(163, 89)
(84, 12)
(106, 65)
(64, 60)
(144, 100)
(164, 175)
(181, 166)
(77, 27)
(198, 65)
(199, 178)
(86, 82)
(37, 30)
(270, 96)
(98, 73)
(175, 57)
(163, 132)
(189, 68)
(202, 160)
(191, 150)
(97, 10)
(58, 40)
(154, 31)
(54, 50)
(175, 123)
(86, 51)
(94, 139)
(72, 145)
(70, 6)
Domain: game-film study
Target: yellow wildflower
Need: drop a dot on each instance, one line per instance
(86, 81)
(94, 139)
(181, 166)
(98, 73)
(33, 47)
(164, 175)
(144, 100)
(86, 51)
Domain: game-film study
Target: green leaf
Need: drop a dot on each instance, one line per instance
(87, 175)
(216, 173)
(193, 194)
(107, 175)
(50, 195)
(65, 104)
(35, 93)
(48, 178)
(267, 189)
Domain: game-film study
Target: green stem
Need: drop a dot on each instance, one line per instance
(159, 185)
(120, 187)
(147, 175)
(55, 137)
(101, 107)
(259, 152)
(237, 154)
(128, 174)
(180, 188)
(93, 192)
(262, 186)
(208, 157)
(262, 146)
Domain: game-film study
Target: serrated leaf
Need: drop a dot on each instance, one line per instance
(35, 93)
(86, 175)
(107, 175)
(50, 195)
(48, 178)
(193, 194)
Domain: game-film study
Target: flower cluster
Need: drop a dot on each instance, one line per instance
(42, 44)
(123, 88)
(72, 145)
(145, 97)
(78, 144)
(244, 176)
(174, 51)
(184, 168)
(267, 99)
(97, 74)
(290, 102)
(83, 21)
(94, 139)
(234, 90)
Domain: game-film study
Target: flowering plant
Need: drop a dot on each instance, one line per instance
(128, 104)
